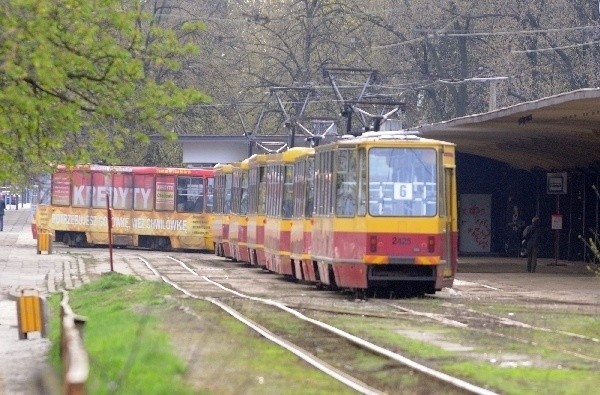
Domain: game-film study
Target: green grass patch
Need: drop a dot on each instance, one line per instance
(527, 380)
(128, 352)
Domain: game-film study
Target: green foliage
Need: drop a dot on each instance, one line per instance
(76, 76)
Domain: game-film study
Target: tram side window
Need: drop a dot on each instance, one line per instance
(227, 193)
(262, 191)
(328, 179)
(165, 193)
(190, 194)
(310, 188)
(346, 190)
(219, 193)
(323, 183)
(273, 191)
(143, 192)
(299, 188)
(81, 192)
(362, 182)
(101, 186)
(403, 181)
(244, 192)
(61, 189)
(253, 191)
(122, 191)
(210, 191)
(236, 192)
(319, 184)
(288, 189)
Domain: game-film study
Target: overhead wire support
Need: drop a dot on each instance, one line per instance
(300, 97)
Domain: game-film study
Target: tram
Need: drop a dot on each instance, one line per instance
(257, 198)
(385, 213)
(152, 207)
(223, 174)
(279, 209)
(238, 220)
(368, 213)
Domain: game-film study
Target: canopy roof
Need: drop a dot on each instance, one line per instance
(559, 132)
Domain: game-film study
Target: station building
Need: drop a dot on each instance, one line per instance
(538, 158)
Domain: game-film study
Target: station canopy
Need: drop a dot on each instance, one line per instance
(555, 133)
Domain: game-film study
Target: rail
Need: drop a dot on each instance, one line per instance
(72, 350)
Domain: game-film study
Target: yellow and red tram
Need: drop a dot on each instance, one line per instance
(302, 223)
(385, 213)
(238, 220)
(223, 174)
(279, 209)
(152, 207)
(257, 197)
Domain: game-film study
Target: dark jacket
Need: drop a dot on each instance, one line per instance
(531, 234)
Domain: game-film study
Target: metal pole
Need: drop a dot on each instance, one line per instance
(556, 232)
(109, 217)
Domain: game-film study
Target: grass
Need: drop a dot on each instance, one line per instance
(132, 327)
(128, 352)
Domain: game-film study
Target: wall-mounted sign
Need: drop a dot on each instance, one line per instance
(556, 183)
(557, 221)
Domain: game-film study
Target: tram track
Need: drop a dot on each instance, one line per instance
(471, 319)
(194, 280)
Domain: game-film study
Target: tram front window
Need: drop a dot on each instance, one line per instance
(402, 182)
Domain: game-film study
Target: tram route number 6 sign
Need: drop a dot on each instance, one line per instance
(403, 191)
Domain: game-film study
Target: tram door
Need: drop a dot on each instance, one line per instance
(449, 211)
(475, 223)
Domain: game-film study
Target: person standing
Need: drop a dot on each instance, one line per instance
(531, 236)
(2, 207)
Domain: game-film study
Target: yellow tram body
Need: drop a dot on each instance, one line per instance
(257, 197)
(238, 222)
(152, 207)
(279, 209)
(385, 213)
(222, 209)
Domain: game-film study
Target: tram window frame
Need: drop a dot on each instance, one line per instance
(60, 190)
(122, 199)
(244, 193)
(210, 195)
(262, 191)
(219, 193)
(141, 200)
(310, 188)
(324, 181)
(190, 194)
(398, 195)
(299, 188)
(101, 186)
(253, 190)
(166, 193)
(346, 182)
(287, 192)
(227, 193)
(81, 179)
(361, 209)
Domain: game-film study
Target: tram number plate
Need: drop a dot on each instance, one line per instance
(403, 241)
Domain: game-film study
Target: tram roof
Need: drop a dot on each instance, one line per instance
(560, 132)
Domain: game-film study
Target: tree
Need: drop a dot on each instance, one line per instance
(79, 77)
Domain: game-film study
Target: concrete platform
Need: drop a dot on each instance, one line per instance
(21, 267)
